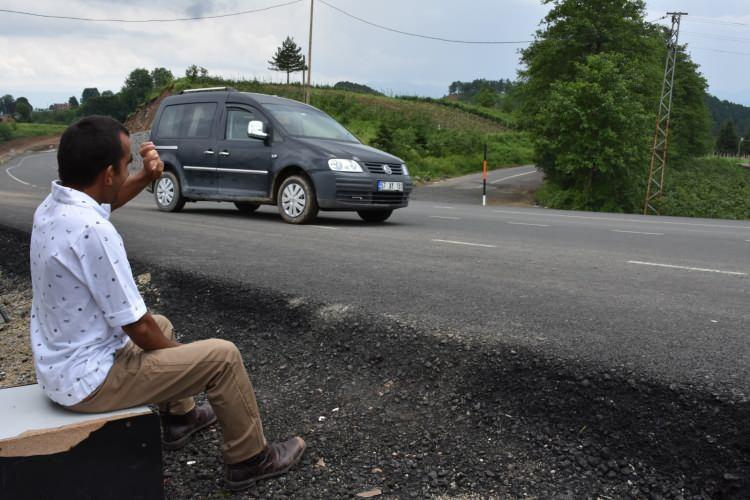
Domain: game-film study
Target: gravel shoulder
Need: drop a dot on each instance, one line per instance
(386, 406)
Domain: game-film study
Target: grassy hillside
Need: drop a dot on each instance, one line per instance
(707, 187)
(435, 140)
(19, 130)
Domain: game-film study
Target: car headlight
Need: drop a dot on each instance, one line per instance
(340, 165)
(406, 170)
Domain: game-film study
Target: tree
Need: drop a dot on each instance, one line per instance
(161, 77)
(590, 133)
(384, 137)
(88, 93)
(728, 139)
(23, 109)
(109, 105)
(288, 58)
(137, 86)
(191, 72)
(108, 93)
(7, 105)
(616, 31)
(486, 97)
(73, 102)
(203, 72)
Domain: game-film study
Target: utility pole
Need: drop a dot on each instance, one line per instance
(309, 54)
(660, 149)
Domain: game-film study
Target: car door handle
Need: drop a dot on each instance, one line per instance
(208, 152)
(224, 153)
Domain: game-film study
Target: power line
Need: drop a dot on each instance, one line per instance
(417, 35)
(722, 51)
(725, 38)
(708, 20)
(196, 18)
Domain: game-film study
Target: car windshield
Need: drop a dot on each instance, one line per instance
(308, 122)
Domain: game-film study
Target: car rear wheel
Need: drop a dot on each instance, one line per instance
(375, 215)
(245, 207)
(167, 193)
(296, 200)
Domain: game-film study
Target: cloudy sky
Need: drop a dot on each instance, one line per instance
(49, 60)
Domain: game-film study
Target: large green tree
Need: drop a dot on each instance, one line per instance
(7, 105)
(23, 109)
(728, 140)
(288, 58)
(137, 85)
(555, 67)
(590, 133)
(161, 77)
(88, 93)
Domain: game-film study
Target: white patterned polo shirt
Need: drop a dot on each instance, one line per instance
(84, 293)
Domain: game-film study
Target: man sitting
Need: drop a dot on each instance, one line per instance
(96, 347)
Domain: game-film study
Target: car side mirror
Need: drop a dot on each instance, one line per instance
(256, 130)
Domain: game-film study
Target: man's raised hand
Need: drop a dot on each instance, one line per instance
(153, 167)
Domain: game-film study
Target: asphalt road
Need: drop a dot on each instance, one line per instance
(663, 296)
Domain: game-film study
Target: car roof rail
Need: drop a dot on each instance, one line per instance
(209, 89)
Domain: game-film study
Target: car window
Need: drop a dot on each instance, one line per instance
(187, 120)
(304, 121)
(237, 120)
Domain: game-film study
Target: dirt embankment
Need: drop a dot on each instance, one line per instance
(15, 147)
(141, 119)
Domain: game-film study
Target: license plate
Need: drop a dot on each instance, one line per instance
(390, 186)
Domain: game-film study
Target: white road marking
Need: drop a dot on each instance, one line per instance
(7, 170)
(498, 181)
(465, 243)
(442, 217)
(685, 268)
(447, 208)
(725, 226)
(527, 224)
(323, 227)
(636, 232)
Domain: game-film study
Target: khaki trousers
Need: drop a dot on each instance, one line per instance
(172, 376)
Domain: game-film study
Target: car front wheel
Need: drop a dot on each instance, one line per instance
(375, 215)
(296, 200)
(167, 193)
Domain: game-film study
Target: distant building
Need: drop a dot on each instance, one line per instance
(59, 106)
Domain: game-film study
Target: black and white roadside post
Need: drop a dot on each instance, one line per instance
(484, 177)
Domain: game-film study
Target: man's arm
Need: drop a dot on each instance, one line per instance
(147, 335)
(152, 169)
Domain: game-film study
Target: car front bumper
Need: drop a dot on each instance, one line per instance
(350, 191)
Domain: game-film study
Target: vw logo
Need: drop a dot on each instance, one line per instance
(387, 169)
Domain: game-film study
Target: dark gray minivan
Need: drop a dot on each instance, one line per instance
(252, 149)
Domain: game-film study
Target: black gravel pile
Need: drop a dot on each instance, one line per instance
(384, 405)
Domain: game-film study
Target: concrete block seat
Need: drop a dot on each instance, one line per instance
(47, 451)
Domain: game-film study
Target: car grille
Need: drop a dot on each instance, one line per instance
(377, 168)
(373, 198)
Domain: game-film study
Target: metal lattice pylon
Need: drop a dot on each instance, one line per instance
(660, 149)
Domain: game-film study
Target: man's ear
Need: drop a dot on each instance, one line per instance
(109, 175)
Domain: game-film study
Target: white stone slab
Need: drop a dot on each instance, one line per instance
(27, 408)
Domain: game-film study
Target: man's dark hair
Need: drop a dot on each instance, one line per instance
(88, 147)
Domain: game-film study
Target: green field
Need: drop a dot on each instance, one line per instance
(20, 130)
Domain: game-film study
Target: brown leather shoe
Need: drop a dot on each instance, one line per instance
(275, 460)
(177, 429)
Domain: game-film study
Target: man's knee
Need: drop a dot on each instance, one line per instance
(225, 349)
